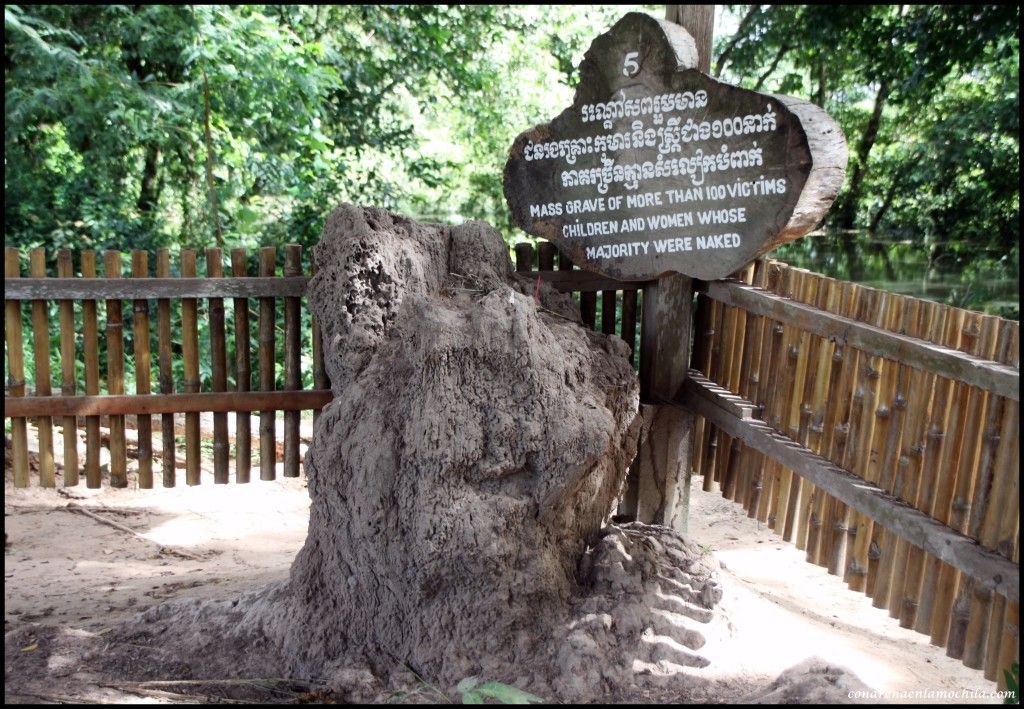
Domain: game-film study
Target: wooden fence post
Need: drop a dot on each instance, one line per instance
(16, 369)
(140, 322)
(41, 350)
(243, 373)
(268, 441)
(115, 373)
(65, 269)
(190, 354)
(166, 379)
(292, 377)
(218, 368)
(90, 340)
(664, 455)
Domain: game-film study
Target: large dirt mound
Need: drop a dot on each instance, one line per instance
(461, 484)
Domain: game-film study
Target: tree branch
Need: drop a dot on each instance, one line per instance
(736, 39)
(208, 139)
(778, 57)
(848, 208)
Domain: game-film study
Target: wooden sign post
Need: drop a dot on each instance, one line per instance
(660, 173)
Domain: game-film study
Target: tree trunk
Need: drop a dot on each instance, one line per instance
(847, 209)
(699, 21)
(723, 58)
(821, 83)
(775, 62)
(890, 195)
(211, 188)
(149, 186)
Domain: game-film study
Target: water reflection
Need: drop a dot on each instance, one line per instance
(957, 273)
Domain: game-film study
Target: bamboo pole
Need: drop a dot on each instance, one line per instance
(746, 382)
(787, 398)
(218, 368)
(190, 355)
(1009, 646)
(994, 637)
(143, 367)
(946, 415)
(892, 424)
(976, 607)
(1004, 504)
(841, 521)
(16, 370)
(784, 476)
(699, 361)
(166, 378)
(712, 437)
(817, 532)
(1000, 529)
(870, 384)
(41, 350)
(732, 380)
(769, 468)
(90, 339)
(778, 282)
(831, 536)
(293, 381)
(65, 269)
(928, 442)
(243, 371)
(268, 445)
(115, 374)
(883, 443)
(905, 484)
(815, 391)
(731, 372)
(767, 275)
(917, 600)
(798, 407)
(941, 581)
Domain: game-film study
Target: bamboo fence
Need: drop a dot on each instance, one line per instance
(940, 444)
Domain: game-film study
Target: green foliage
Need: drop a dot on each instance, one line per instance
(1012, 676)
(928, 97)
(473, 692)
(413, 108)
(943, 158)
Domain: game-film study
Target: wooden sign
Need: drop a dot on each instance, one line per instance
(657, 167)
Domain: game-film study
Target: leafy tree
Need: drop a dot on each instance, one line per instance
(927, 97)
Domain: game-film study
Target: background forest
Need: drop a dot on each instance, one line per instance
(144, 126)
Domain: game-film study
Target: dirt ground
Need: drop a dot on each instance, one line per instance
(86, 559)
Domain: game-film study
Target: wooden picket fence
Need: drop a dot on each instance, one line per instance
(906, 409)
(104, 396)
(619, 303)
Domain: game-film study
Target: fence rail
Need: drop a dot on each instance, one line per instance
(877, 432)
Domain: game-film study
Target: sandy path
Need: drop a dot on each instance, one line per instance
(214, 541)
(782, 610)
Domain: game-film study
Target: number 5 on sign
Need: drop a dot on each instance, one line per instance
(629, 66)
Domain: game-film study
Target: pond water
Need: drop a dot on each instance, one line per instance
(955, 273)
